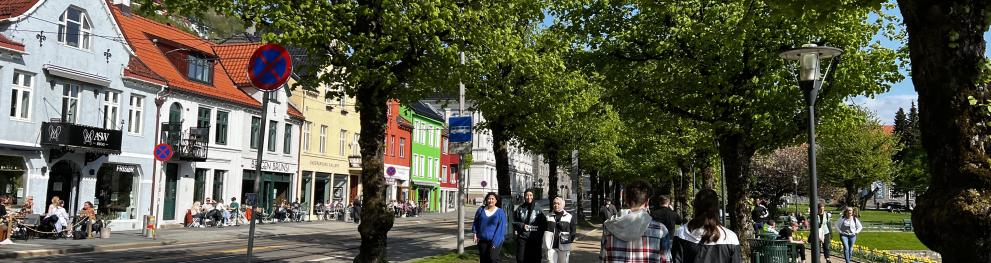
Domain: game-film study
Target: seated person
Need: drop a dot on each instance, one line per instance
(223, 216)
(27, 207)
(89, 215)
(770, 228)
(196, 212)
(787, 232)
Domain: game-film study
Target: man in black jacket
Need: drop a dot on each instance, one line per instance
(666, 216)
(528, 220)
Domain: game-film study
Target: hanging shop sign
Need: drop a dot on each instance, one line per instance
(78, 136)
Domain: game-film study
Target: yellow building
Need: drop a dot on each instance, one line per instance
(329, 137)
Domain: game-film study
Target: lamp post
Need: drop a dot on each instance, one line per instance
(809, 81)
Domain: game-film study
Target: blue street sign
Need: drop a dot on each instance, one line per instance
(269, 67)
(250, 199)
(460, 129)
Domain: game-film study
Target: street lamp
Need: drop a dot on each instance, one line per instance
(810, 80)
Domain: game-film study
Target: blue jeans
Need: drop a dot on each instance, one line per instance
(848, 246)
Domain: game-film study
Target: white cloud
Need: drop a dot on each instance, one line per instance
(885, 105)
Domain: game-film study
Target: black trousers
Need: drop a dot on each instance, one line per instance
(528, 251)
(825, 244)
(487, 253)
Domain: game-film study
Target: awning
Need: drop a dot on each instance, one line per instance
(77, 75)
(12, 164)
(422, 183)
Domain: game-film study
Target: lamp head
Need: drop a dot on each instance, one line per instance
(808, 57)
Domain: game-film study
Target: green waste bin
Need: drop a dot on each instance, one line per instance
(769, 251)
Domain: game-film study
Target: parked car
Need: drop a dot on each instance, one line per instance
(894, 206)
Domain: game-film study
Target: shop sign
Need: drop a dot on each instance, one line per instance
(126, 168)
(70, 134)
(271, 166)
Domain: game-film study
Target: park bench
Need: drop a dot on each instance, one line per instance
(907, 224)
(766, 249)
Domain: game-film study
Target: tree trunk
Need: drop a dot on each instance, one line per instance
(579, 205)
(500, 143)
(617, 197)
(594, 180)
(707, 172)
(737, 157)
(552, 174)
(947, 50)
(850, 198)
(376, 221)
(684, 197)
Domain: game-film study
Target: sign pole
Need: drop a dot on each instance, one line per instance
(461, 168)
(258, 173)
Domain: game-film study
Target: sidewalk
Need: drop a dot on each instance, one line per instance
(132, 239)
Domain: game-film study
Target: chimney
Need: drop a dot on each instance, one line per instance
(124, 6)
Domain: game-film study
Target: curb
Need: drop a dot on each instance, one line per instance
(82, 249)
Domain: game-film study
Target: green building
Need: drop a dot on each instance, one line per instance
(425, 168)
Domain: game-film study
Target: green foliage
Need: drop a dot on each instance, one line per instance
(854, 151)
(913, 167)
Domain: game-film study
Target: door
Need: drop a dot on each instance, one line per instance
(171, 182)
(60, 184)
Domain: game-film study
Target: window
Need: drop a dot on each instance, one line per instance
(116, 192)
(256, 126)
(135, 109)
(218, 184)
(222, 117)
(20, 96)
(272, 130)
(200, 68)
(199, 185)
(203, 117)
(111, 104)
(392, 146)
(327, 97)
(74, 29)
(422, 166)
(443, 175)
(355, 147)
(344, 98)
(70, 102)
(343, 139)
(443, 146)
(287, 141)
(306, 136)
(402, 147)
(416, 166)
(323, 139)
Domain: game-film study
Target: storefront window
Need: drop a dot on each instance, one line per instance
(218, 184)
(199, 186)
(115, 191)
(12, 170)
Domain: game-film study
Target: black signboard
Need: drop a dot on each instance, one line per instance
(79, 136)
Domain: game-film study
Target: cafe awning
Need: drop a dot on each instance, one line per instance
(12, 164)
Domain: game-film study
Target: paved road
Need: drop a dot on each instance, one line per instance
(409, 239)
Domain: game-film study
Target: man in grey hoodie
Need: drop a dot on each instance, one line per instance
(634, 236)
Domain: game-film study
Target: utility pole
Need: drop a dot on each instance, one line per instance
(258, 174)
(461, 167)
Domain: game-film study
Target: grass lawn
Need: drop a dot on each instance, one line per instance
(470, 256)
(885, 240)
(867, 216)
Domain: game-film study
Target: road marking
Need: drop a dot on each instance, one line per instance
(239, 250)
(211, 259)
(322, 259)
(29, 245)
(447, 237)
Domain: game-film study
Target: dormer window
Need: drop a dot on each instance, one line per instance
(200, 68)
(75, 28)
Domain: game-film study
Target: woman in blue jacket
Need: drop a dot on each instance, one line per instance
(489, 229)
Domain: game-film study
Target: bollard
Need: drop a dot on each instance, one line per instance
(149, 230)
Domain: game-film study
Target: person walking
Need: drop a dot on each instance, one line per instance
(703, 239)
(607, 211)
(759, 215)
(528, 221)
(489, 229)
(849, 226)
(666, 216)
(825, 235)
(634, 236)
(559, 234)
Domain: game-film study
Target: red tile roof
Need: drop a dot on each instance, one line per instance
(234, 58)
(13, 8)
(138, 70)
(140, 31)
(888, 129)
(7, 43)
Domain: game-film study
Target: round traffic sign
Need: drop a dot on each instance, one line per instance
(484, 183)
(163, 152)
(390, 171)
(269, 67)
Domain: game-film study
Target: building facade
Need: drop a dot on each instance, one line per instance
(329, 145)
(204, 111)
(428, 125)
(398, 154)
(449, 165)
(76, 117)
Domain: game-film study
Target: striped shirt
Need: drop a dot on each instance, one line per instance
(645, 250)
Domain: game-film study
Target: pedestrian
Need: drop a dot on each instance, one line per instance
(559, 233)
(607, 211)
(528, 221)
(666, 216)
(825, 236)
(787, 232)
(703, 239)
(759, 215)
(633, 236)
(849, 226)
(489, 229)
(770, 227)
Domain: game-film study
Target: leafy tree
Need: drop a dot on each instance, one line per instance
(717, 63)
(377, 51)
(854, 151)
(949, 68)
(913, 172)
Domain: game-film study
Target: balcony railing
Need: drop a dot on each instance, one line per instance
(191, 145)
